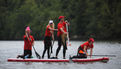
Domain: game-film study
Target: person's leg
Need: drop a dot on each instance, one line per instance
(59, 46)
(64, 49)
(57, 51)
(45, 47)
(26, 52)
(51, 49)
(29, 53)
(20, 56)
(75, 57)
(80, 53)
(49, 45)
(48, 52)
(64, 53)
(23, 56)
(44, 52)
(79, 56)
(83, 56)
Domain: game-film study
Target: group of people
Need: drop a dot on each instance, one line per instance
(49, 36)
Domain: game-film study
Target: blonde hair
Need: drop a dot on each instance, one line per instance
(53, 25)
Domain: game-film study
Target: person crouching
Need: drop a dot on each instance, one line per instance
(82, 50)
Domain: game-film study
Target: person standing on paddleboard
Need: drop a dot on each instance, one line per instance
(47, 39)
(82, 50)
(61, 34)
(28, 43)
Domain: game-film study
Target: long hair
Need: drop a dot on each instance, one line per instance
(53, 26)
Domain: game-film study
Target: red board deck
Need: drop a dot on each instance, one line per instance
(58, 60)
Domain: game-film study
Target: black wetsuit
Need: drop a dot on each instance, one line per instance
(60, 42)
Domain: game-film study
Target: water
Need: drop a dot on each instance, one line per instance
(10, 49)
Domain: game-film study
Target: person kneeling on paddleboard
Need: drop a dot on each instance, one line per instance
(28, 43)
(82, 50)
(47, 39)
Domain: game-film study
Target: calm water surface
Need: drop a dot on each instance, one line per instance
(10, 49)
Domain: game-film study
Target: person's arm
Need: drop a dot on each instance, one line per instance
(52, 32)
(32, 41)
(91, 50)
(63, 31)
(85, 50)
(27, 36)
(53, 29)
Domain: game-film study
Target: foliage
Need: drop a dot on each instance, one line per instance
(88, 18)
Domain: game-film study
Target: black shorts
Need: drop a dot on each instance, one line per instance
(28, 52)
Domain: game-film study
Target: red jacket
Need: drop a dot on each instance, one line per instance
(28, 42)
(47, 32)
(59, 33)
(86, 44)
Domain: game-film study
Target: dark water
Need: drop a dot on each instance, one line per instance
(10, 49)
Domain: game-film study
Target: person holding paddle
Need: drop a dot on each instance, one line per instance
(82, 50)
(61, 34)
(47, 39)
(28, 43)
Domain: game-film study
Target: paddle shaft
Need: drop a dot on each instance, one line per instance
(67, 34)
(105, 55)
(34, 48)
(37, 55)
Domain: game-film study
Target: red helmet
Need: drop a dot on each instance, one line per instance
(91, 39)
(61, 17)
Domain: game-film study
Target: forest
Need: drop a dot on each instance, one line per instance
(100, 19)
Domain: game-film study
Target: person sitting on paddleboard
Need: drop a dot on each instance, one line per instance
(82, 50)
(61, 34)
(28, 43)
(47, 39)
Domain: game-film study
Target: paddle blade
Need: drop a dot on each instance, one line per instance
(37, 55)
(68, 44)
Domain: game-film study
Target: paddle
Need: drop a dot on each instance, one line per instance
(105, 55)
(68, 43)
(37, 55)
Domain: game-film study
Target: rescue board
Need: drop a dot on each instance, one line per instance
(58, 60)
